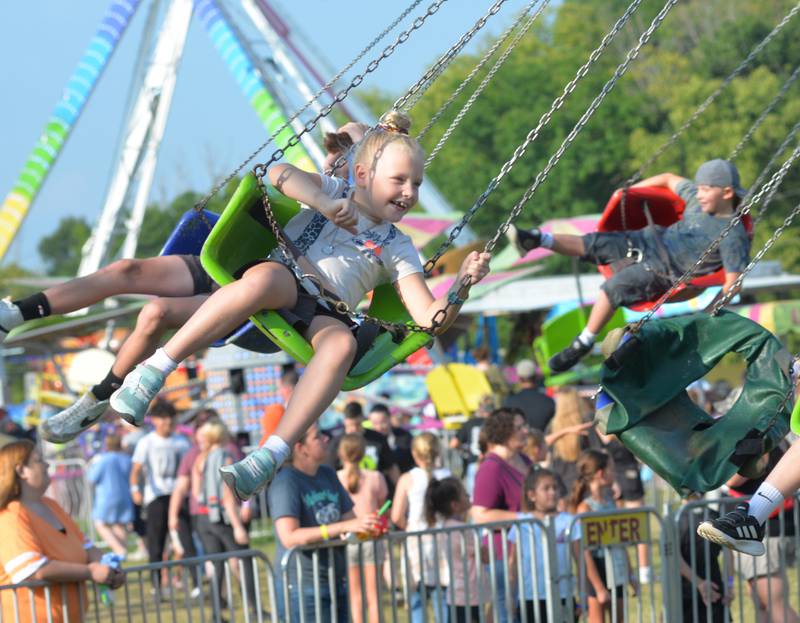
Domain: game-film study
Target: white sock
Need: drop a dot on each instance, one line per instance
(547, 240)
(161, 361)
(278, 448)
(587, 337)
(764, 501)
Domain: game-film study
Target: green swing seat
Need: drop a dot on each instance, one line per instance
(644, 401)
(242, 236)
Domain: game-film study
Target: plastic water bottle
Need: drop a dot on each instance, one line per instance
(114, 561)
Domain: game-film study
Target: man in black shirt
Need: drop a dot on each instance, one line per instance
(399, 439)
(538, 408)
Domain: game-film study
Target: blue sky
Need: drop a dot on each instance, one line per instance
(211, 128)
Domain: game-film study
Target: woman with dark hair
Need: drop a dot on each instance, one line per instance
(498, 483)
(41, 542)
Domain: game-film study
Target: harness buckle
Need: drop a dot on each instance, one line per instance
(635, 254)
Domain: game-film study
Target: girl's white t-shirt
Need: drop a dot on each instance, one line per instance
(352, 264)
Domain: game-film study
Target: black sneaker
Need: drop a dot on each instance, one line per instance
(523, 240)
(572, 354)
(737, 530)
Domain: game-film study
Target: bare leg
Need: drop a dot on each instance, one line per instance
(356, 598)
(567, 244)
(334, 349)
(266, 286)
(155, 319)
(165, 275)
(643, 549)
(601, 313)
(121, 533)
(772, 592)
(110, 538)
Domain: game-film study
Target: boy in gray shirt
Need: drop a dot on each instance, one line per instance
(665, 253)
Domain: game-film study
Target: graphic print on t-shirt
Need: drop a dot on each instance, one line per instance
(324, 505)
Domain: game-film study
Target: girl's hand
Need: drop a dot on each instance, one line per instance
(365, 525)
(603, 596)
(476, 265)
(342, 213)
(709, 591)
(101, 574)
(240, 536)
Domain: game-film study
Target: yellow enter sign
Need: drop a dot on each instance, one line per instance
(617, 529)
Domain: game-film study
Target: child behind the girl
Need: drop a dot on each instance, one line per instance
(540, 500)
(446, 506)
(592, 492)
(368, 490)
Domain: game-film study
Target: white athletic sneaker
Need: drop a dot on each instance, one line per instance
(72, 421)
(10, 317)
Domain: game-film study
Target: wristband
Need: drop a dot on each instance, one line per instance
(323, 530)
(135, 489)
(731, 581)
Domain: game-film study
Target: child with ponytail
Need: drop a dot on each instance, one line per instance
(368, 490)
(447, 506)
(592, 492)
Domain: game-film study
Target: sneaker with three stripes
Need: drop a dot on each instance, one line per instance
(737, 530)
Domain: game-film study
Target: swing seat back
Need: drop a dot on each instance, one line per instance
(242, 236)
(665, 208)
(188, 238)
(558, 333)
(644, 401)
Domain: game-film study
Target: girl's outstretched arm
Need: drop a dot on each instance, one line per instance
(662, 180)
(307, 188)
(419, 300)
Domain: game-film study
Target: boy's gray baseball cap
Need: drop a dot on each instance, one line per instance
(721, 173)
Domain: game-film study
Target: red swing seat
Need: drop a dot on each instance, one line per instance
(665, 208)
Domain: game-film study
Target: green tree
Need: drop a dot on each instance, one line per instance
(61, 250)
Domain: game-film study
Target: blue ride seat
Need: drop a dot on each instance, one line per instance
(188, 238)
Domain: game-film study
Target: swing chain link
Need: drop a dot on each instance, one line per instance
(607, 87)
(774, 183)
(415, 93)
(532, 136)
(786, 141)
(523, 30)
(710, 99)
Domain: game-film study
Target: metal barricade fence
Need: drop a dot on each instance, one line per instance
(467, 572)
(747, 588)
(70, 487)
(228, 588)
(608, 540)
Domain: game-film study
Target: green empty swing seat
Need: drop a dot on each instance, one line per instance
(644, 401)
(242, 236)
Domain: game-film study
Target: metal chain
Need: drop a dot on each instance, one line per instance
(786, 141)
(726, 298)
(710, 99)
(532, 136)
(745, 209)
(327, 87)
(489, 54)
(413, 95)
(482, 86)
(607, 87)
(762, 117)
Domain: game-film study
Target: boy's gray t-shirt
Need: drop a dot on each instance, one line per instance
(686, 240)
(314, 501)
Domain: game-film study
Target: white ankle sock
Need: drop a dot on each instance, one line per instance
(587, 337)
(160, 360)
(765, 500)
(547, 240)
(278, 448)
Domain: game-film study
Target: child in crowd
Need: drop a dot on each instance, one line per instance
(540, 501)
(447, 506)
(349, 238)
(408, 513)
(655, 256)
(368, 490)
(606, 568)
(112, 509)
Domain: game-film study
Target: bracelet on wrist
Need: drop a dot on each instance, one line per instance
(323, 530)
